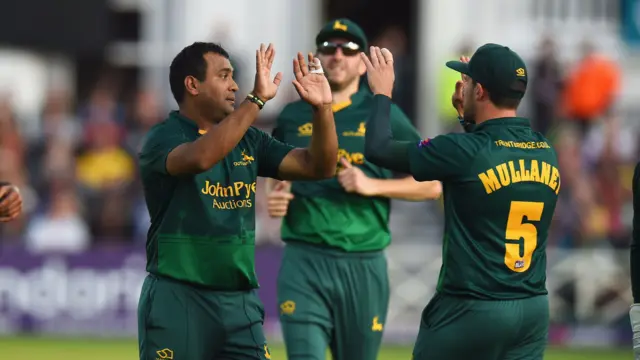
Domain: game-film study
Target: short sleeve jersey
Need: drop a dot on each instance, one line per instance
(203, 225)
(322, 213)
(501, 184)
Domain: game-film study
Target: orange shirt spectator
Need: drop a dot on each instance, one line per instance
(590, 89)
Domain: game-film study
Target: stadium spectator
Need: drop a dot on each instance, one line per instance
(546, 86)
(591, 88)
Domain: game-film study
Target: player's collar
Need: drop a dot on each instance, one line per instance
(504, 122)
(354, 100)
(186, 120)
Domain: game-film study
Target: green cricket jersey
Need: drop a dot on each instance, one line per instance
(322, 213)
(501, 184)
(203, 226)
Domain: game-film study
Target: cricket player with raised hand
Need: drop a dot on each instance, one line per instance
(333, 287)
(199, 170)
(501, 183)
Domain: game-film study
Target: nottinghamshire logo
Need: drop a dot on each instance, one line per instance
(361, 131)
(288, 307)
(305, 130)
(165, 354)
(230, 197)
(246, 159)
(337, 25)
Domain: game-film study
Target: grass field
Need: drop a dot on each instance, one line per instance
(77, 349)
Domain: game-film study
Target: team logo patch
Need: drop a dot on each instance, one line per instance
(288, 307)
(165, 354)
(423, 143)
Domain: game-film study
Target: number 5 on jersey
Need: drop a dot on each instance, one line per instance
(517, 229)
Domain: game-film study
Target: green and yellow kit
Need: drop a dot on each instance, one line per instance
(198, 301)
(333, 287)
(501, 184)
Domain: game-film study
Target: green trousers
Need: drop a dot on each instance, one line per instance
(178, 321)
(332, 300)
(454, 328)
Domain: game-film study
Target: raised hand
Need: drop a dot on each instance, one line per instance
(458, 94)
(264, 87)
(380, 70)
(310, 82)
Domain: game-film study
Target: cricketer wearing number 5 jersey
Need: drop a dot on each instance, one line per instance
(199, 169)
(501, 183)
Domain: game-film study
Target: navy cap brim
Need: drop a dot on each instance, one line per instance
(459, 66)
(339, 34)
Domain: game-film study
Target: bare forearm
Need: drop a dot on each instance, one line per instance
(323, 147)
(222, 138)
(407, 189)
(203, 153)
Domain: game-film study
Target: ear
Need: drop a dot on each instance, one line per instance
(362, 68)
(191, 85)
(480, 92)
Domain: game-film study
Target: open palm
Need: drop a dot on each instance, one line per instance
(265, 88)
(311, 86)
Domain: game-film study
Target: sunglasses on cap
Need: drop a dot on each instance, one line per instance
(348, 49)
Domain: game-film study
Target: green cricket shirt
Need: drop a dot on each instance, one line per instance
(322, 213)
(203, 226)
(501, 184)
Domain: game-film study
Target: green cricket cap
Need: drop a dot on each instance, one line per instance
(342, 28)
(499, 69)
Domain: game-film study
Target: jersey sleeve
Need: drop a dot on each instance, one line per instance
(401, 127)
(441, 158)
(270, 154)
(635, 239)
(158, 144)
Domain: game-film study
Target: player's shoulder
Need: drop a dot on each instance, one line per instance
(397, 114)
(165, 131)
(254, 133)
(294, 112)
(255, 136)
(471, 142)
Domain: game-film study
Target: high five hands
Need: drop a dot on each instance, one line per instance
(380, 72)
(309, 82)
(458, 93)
(265, 88)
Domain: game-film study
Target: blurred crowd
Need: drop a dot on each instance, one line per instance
(77, 166)
(577, 106)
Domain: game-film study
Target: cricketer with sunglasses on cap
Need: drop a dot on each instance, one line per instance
(501, 184)
(333, 287)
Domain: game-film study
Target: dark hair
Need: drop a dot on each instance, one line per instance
(190, 62)
(502, 102)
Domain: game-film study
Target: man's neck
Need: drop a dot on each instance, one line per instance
(494, 114)
(344, 95)
(194, 115)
